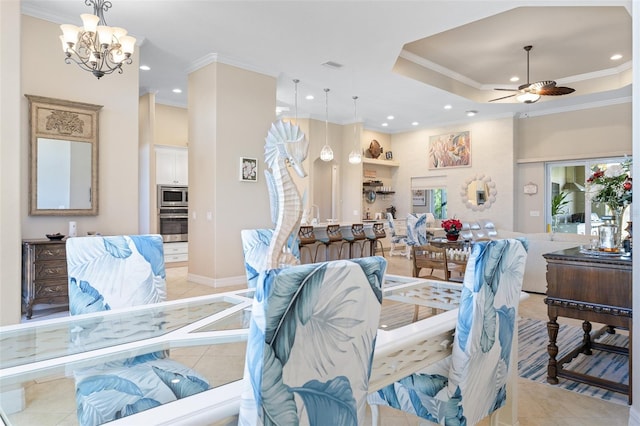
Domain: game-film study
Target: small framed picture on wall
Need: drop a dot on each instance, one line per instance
(248, 169)
(419, 197)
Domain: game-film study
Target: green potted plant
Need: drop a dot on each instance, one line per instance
(558, 204)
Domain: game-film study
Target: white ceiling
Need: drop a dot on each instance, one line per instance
(402, 58)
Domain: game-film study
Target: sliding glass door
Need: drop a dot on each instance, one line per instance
(569, 207)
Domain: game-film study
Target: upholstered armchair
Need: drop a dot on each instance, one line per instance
(311, 340)
(471, 383)
(109, 273)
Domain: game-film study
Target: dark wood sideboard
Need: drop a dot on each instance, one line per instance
(44, 274)
(591, 288)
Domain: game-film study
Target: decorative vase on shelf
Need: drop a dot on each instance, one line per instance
(452, 236)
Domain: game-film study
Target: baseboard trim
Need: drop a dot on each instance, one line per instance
(218, 282)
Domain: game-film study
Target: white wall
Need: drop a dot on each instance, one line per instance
(11, 141)
(118, 144)
(487, 139)
(590, 133)
(230, 112)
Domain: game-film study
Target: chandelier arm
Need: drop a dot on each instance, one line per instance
(86, 65)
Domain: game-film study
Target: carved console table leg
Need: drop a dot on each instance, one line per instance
(586, 338)
(552, 349)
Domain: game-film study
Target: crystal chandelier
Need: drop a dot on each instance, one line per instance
(96, 47)
(326, 154)
(355, 157)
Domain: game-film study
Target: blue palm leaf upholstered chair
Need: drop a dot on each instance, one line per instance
(397, 239)
(417, 229)
(311, 341)
(471, 383)
(255, 246)
(108, 273)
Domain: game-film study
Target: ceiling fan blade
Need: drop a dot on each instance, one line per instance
(542, 85)
(506, 90)
(504, 97)
(555, 91)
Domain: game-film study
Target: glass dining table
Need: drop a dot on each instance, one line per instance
(209, 333)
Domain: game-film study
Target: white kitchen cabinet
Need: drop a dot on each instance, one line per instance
(172, 166)
(176, 252)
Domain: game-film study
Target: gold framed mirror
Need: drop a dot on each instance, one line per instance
(63, 157)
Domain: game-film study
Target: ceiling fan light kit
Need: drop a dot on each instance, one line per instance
(532, 92)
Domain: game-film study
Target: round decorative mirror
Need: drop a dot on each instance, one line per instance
(370, 196)
(478, 192)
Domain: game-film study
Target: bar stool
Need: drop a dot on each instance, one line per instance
(376, 238)
(357, 237)
(306, 238)
(333, 236)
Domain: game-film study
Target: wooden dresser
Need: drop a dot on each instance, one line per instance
(44, 274)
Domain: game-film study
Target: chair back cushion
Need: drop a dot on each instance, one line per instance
(114, 272)
(471, 383)
(417, 229)
(481, 357)
(311, 340)
(255, 245)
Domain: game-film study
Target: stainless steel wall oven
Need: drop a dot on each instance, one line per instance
(173, 213)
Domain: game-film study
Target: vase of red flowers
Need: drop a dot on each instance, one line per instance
(452, 228)
(613, 187)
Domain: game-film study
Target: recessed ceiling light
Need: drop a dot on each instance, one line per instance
(415, 123)
(471, 113)
(385, 124)
(177, 90)
(390, 117)
(309, 97)
(514, 79)
(448, 107)
(616, 57)
(145, 67)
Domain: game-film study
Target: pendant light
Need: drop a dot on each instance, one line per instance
(295, 91)
(326, 154)
(355, 157)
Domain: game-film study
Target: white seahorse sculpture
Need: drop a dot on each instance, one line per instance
(285, 145)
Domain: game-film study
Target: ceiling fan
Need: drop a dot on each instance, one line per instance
(531, 92)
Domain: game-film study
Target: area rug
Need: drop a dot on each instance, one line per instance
(533, 358)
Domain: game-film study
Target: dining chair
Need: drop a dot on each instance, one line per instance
(255, 245)
(119, 272)
(471, 383)
(397, 239)
(417, 229)
(311, 340)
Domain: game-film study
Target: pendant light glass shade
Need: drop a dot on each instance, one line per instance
(355, 157)
(326, 154)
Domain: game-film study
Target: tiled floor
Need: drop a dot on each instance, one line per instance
(539, 404)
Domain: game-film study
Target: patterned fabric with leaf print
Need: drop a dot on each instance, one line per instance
(311, 340)
(117, 272)
(470, 384)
